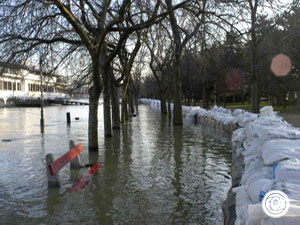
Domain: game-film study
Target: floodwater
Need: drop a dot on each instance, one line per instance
(154, 173)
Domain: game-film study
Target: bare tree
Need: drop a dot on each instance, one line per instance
(160, 48)
(91, 24)
(179, 44)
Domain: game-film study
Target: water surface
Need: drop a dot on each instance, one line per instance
(154, 173)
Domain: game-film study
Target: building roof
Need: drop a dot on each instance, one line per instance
(31, 69)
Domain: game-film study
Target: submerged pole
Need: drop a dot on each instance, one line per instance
(42, 122)
(68, 115)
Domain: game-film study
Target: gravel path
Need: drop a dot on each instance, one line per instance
(292, 118)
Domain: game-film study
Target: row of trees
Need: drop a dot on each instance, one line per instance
(227, 65)
(108, 44)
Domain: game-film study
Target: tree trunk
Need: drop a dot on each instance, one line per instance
(242, 96)
(163, 105)
(177, 113)
(224, 99)
(169, 96)
(94, 95)
(106, 103)
(284, 101)
(136, 101)
(254, 75)
(270, 99)
(188, 100)
(130, 103)
(93, 119)
(298, 99)
(205, 96)
(124, 110)
(254, 96)
(115, 103)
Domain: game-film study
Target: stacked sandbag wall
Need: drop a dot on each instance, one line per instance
(270, 148)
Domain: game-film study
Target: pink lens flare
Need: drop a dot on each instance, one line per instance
(281, 65)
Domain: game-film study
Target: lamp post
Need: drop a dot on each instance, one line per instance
(42, 104)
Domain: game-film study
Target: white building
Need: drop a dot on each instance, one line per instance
(17, 81)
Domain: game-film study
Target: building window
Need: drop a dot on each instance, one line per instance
(50, 89)
(19, 86)
(1, 85)
(14, 86)
(29, 87)
(9, 85)
(5, 85)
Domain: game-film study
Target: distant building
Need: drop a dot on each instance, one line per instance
(19, 81)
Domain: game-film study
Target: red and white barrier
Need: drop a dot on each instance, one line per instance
(54, 166)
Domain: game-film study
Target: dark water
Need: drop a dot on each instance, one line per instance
(154, 173)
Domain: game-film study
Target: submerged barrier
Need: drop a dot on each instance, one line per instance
(54, 166)
(265, 157)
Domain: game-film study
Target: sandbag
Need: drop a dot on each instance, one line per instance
(264, 133)
(253, 162)
(287, 170)
(238, 112)
(257, 174)
(266, 111)
(242, 202)
(245, 118)
(258, 189)
(253, 149)
(277, 150)
(281, 221)
(290, 188)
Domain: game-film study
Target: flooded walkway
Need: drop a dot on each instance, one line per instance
(154, 173)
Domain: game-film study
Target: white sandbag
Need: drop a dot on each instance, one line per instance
(220, 110)
(193, 112)
(266, 111)
(258, 189)
(264, 133)
(202, 112)
(266, 221)
(242, 202)
(238, 112)
(256, 174)
(287, 170)
(238, 137)
(223, 118)
(249, 142)
(187, 109)
(281, 221)
(246, 118)
(253, 162)
(257, 215)
(254, 149)
(275, 121)
(290, 188)
(280, 149)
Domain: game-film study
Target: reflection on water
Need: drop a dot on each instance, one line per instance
(154, 173)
